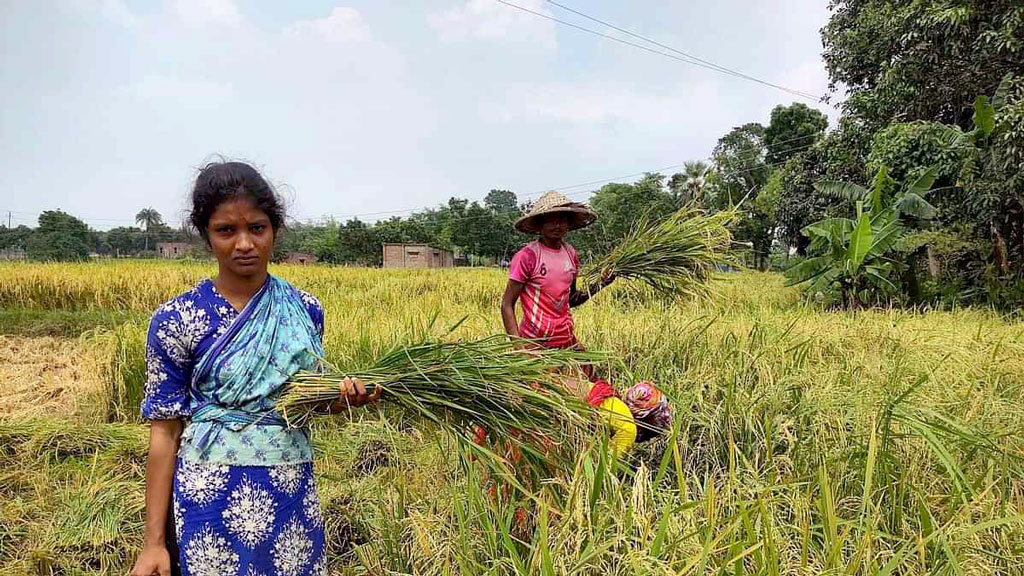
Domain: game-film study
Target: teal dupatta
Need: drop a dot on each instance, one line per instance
(235, 381)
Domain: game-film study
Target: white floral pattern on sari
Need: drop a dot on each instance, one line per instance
(209, 554)
(250, 513)
(293, 550)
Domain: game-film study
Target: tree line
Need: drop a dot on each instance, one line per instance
(61, 236)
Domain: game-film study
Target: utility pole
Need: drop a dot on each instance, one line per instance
(8, 218)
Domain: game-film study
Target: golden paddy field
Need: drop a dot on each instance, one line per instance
(810, 441)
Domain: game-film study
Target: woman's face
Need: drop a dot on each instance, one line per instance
(241, 237)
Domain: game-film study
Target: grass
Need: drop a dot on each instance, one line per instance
(60, 323)
(806, 442)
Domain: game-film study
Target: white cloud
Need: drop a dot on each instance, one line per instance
(489, 20)
(342, 25)
(116, 11)
(113, 10)
(182, 93)
(206, 12)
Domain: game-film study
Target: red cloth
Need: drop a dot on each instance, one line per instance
(601, 391)
(480, 436)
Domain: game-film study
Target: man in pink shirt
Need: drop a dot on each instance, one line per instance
(542, 276)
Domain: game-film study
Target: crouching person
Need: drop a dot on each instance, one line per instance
(641, 414)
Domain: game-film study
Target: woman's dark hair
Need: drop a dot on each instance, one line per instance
(220, 182)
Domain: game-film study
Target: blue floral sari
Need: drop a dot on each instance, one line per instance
(236, 380)
(245, 498)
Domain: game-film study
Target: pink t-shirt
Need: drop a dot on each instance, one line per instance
(547, 276)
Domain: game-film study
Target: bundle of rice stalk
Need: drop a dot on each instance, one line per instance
(677, 255)
(511, 390)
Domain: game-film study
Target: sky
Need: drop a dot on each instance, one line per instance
(374, 108)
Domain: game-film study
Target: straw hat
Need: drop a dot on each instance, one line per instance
(580, 216)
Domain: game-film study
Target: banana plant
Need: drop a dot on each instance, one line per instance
(911, 202)
(852, 264)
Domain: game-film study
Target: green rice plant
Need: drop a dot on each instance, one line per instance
(34, 322)
(508, 387)
(126, 369)
(61, 439)
(73, 502)
(676, 256)
(93, 515)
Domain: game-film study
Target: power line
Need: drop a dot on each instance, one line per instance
(713, 66)
(84, 218)
(32, 216)
(687, 59)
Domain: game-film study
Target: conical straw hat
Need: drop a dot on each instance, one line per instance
(580, 216)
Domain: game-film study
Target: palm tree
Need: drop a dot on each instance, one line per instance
(148, 218)
(688, 186)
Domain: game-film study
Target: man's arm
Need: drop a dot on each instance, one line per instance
(577, 297)
(508, 307)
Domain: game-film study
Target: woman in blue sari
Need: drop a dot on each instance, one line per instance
(230, 489)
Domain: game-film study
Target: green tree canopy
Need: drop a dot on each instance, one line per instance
(151, 221)
(909, 149)
(14, 237)
(739, 159)
(149, 218)
(403, 230)
(690, 185)
(504, 240)
(502, 203)
(741, 173)
(791, 129)
(799, 203)
(358, 244)
(921, 60)
(60, 236)
(619, 205)
(125, 240)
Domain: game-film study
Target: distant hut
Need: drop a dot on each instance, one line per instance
(172, 249)
(417, 256)
(13, 254)
(300, 258)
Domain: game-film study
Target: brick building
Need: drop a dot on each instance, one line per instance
(300, 258)
(172, 249)
(417, 256)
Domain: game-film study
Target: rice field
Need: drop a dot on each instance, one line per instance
(806, 441)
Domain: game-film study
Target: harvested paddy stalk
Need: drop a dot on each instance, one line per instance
(677, 255)
(512, 392)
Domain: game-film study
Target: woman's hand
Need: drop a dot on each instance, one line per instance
(154, 559)
(607, 279)
(352, 392)
(164, 436)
